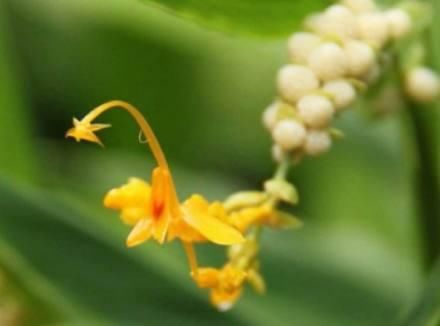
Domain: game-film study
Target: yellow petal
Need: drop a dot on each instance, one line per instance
(113, 199)
(135, 192)
(132, 215)
(83, 134)
(161, 227)
(207, 277)
(140, 233)
(99, 126)
(284, 220)
(224, 300)
(85, 131)
(195, 214)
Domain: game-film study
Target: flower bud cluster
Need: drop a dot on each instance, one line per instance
(337, 51)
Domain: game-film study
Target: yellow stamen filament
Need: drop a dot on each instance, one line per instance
(192, 258)
(141, 121)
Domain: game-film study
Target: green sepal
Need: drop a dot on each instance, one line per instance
(286, 220)
(282, 190)
(244, 199)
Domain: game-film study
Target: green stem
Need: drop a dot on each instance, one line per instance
(427, 185)
(282, 170)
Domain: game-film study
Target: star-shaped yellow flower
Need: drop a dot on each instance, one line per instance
(84, 130)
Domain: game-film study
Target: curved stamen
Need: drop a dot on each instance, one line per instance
(153, 143)
(146, 129)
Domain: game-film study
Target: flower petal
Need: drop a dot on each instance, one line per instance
(195, 214)
(224, 300)
(140, 233)
(161, 227)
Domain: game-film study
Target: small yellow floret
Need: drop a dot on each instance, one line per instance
(83, 130)
(225, 284)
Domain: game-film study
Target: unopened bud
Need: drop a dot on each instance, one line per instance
(301, 44)
(342, 92)
(373, 28)
(295, 81)
(399, 22)
(360, 57)
(270, 116)
(317, 142)
(422, 84)
(289, 134)
(328, 61)
(315, 110)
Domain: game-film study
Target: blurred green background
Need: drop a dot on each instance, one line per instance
(357, 261)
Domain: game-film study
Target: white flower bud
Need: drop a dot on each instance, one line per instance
(315, 110)
(339, 21)
(289, 134)
(342, 91)
(360, 6)
(317, 142)
(295, 81)
(315, 22)
(399, 22)
(360, 58)
(422, 84)
(373, 28)
(277, 153)
(328, 61)
(301, 44)
(270, 115)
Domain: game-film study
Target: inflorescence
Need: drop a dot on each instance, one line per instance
(338, 54)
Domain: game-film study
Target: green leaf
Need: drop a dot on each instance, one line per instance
(16, 158)
(38, 302)
(95, 273)
(426, 311)
(257, 17)
(83, 256)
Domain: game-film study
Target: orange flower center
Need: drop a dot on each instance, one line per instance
(157, 209)
(160, 193)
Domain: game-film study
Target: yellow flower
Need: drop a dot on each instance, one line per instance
(245, 257)
(155, 211)
(146, 207)
(139, 206)
(84, 130)
(225, 284)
